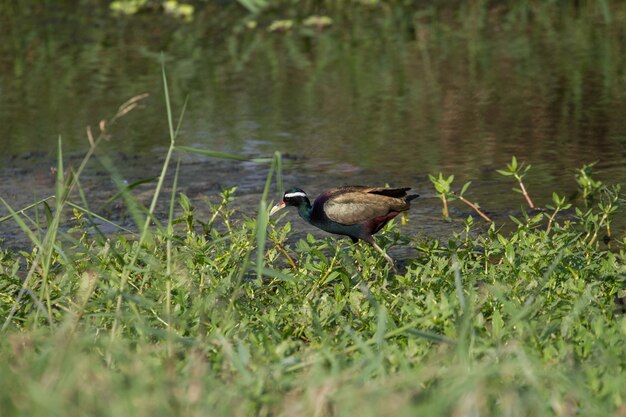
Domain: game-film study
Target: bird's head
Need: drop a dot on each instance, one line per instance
(292, 197)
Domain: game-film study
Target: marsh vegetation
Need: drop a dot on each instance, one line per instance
(149, 300)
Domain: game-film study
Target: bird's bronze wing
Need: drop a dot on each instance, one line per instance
(353, 207)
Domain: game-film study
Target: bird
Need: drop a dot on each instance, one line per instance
(355, 211)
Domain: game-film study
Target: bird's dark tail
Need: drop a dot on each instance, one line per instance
(390, 192)
(411, 197)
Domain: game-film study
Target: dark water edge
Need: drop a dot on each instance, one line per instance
(203, 179)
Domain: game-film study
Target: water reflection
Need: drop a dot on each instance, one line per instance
(347, 106)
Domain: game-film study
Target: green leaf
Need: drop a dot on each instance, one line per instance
(59, 177)
(48, 211)
(221, 155)
(497, 324)
(261, 235)
(126, 189)
(465, 187)
(509, 253)
(433, 337)
(269, 272)
(184, 202)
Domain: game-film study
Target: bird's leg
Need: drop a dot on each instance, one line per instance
(387, 257)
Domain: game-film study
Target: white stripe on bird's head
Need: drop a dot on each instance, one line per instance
(295, 194)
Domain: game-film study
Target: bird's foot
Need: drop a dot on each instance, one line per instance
(387, 257)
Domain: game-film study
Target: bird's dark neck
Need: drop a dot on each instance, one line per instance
(305, 210)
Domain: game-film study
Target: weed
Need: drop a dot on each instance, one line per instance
(518, 172)
(446, 194)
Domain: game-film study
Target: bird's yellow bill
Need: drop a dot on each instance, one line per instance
(280, 205)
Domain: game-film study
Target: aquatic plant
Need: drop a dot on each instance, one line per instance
(518, 172)
(445, 193)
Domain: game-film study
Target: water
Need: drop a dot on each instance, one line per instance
(346, 106)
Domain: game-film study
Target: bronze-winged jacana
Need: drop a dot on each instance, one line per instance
(354, 211)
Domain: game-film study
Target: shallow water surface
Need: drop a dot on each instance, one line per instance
(343, 106)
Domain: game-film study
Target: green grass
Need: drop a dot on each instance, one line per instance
(218, 316)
